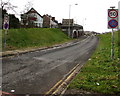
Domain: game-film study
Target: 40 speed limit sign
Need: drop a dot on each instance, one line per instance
(112, 18)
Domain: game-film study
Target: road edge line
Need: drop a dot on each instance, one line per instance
(56, 89)
(63, 87)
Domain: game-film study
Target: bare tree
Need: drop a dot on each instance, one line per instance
(7, 5)
(24, 16)
(27, 7)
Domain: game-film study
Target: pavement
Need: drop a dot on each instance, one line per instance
(23, 51)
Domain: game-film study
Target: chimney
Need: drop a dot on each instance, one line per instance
(53, 18)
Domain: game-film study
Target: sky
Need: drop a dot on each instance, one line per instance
(92, 14)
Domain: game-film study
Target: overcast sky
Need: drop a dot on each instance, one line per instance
(92, 14)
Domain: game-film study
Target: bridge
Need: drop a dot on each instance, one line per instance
(71, 29)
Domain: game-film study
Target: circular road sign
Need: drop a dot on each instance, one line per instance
(112, 13)
(6, 22)
(6, 25)
(113, 23)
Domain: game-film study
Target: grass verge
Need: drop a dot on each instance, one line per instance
(33, 37)
(100, 74)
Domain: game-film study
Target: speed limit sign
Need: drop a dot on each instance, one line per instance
(113, 13)
(112, 18)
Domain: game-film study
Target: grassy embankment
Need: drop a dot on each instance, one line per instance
(100, 74)
(33, 37)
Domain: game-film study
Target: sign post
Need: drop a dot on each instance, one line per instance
(5, 27)
(112, 24)
(119, 15)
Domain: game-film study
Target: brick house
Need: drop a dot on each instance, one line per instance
(49, 21)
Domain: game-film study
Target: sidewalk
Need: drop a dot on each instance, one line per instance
(17, 52)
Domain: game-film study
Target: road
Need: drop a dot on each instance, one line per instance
(36, 72)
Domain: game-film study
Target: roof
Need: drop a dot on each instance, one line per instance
(32, 10)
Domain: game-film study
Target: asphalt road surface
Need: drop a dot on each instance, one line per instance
(36, 72)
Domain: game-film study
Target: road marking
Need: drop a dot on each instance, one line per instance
(53, 88)
(56, 87)
(63, 87)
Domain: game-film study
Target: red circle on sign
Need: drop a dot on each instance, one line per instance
(113, 10)
(113, 23)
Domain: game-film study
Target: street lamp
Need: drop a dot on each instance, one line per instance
(69, 20)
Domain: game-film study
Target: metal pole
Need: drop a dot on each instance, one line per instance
(5, 27)
(112, 45)
(112, 41)
(5, 39)
(69, 21)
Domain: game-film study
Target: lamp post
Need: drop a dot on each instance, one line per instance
(69, 20)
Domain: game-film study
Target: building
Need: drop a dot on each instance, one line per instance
(53, 23)
(31, 19)
(71, 29)
(49, 21)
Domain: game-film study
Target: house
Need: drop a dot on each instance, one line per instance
(49, 21)
(53, 23)
(71, 29)
(31, 19)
